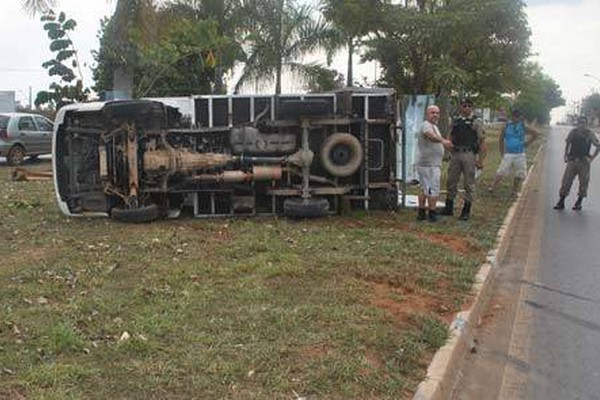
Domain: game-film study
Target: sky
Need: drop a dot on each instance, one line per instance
(24, 43)
(565, 39)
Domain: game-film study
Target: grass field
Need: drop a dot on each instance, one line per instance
(345, 307)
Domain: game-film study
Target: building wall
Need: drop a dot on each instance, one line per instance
(7, 101)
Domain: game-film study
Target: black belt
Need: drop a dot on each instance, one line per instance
(462, 150)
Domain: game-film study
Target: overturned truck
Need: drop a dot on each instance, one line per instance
(298, 156)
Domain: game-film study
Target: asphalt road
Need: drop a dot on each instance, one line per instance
(540, 336)
(565, 307)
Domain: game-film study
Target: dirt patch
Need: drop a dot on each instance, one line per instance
(317, 350)
(374, 360)
(456, 244)
(406, 304)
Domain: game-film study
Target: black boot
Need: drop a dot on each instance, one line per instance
(433, 216)
(448, 208)
(577, 205)
(561, 203)
(422, 215)
(466, 211)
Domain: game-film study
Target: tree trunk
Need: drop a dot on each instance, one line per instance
(278, 79)
(350, 77)
(219, 86)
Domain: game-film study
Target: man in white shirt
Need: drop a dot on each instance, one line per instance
(431, 145)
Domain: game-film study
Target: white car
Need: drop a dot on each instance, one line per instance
(23, 135)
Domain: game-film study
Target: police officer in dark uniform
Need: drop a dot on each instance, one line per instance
(578, 159)
(468, 152)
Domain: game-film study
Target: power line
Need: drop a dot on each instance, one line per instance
(21, 69)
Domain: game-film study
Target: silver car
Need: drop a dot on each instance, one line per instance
(23, 135)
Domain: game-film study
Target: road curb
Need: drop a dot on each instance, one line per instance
(443, 369)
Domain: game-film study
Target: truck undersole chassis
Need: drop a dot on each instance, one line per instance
(136, 161)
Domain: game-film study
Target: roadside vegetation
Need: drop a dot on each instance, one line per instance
(149, 48)
(345, 307)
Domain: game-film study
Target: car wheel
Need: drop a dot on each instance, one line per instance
(341, 154)
(15, 155)
(142, 214)
(296, 207)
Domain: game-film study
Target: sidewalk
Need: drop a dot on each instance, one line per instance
(444, 367)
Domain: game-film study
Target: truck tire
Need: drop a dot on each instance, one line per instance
(296, 207)
(142, 214)
(341, 154)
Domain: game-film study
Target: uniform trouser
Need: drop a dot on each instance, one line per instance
(579, 168)
(461, 163)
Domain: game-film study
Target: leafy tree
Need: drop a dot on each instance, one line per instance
(539, 95)
(227, 16)
(590, 106)
(182, 62)
(63, 63)
(187, 54)
(452, 47)
(106, 58)
(322, 79)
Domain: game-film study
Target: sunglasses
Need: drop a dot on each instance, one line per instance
(466, 106)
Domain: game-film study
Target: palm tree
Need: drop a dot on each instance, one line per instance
(279, 33)
(35, 6)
